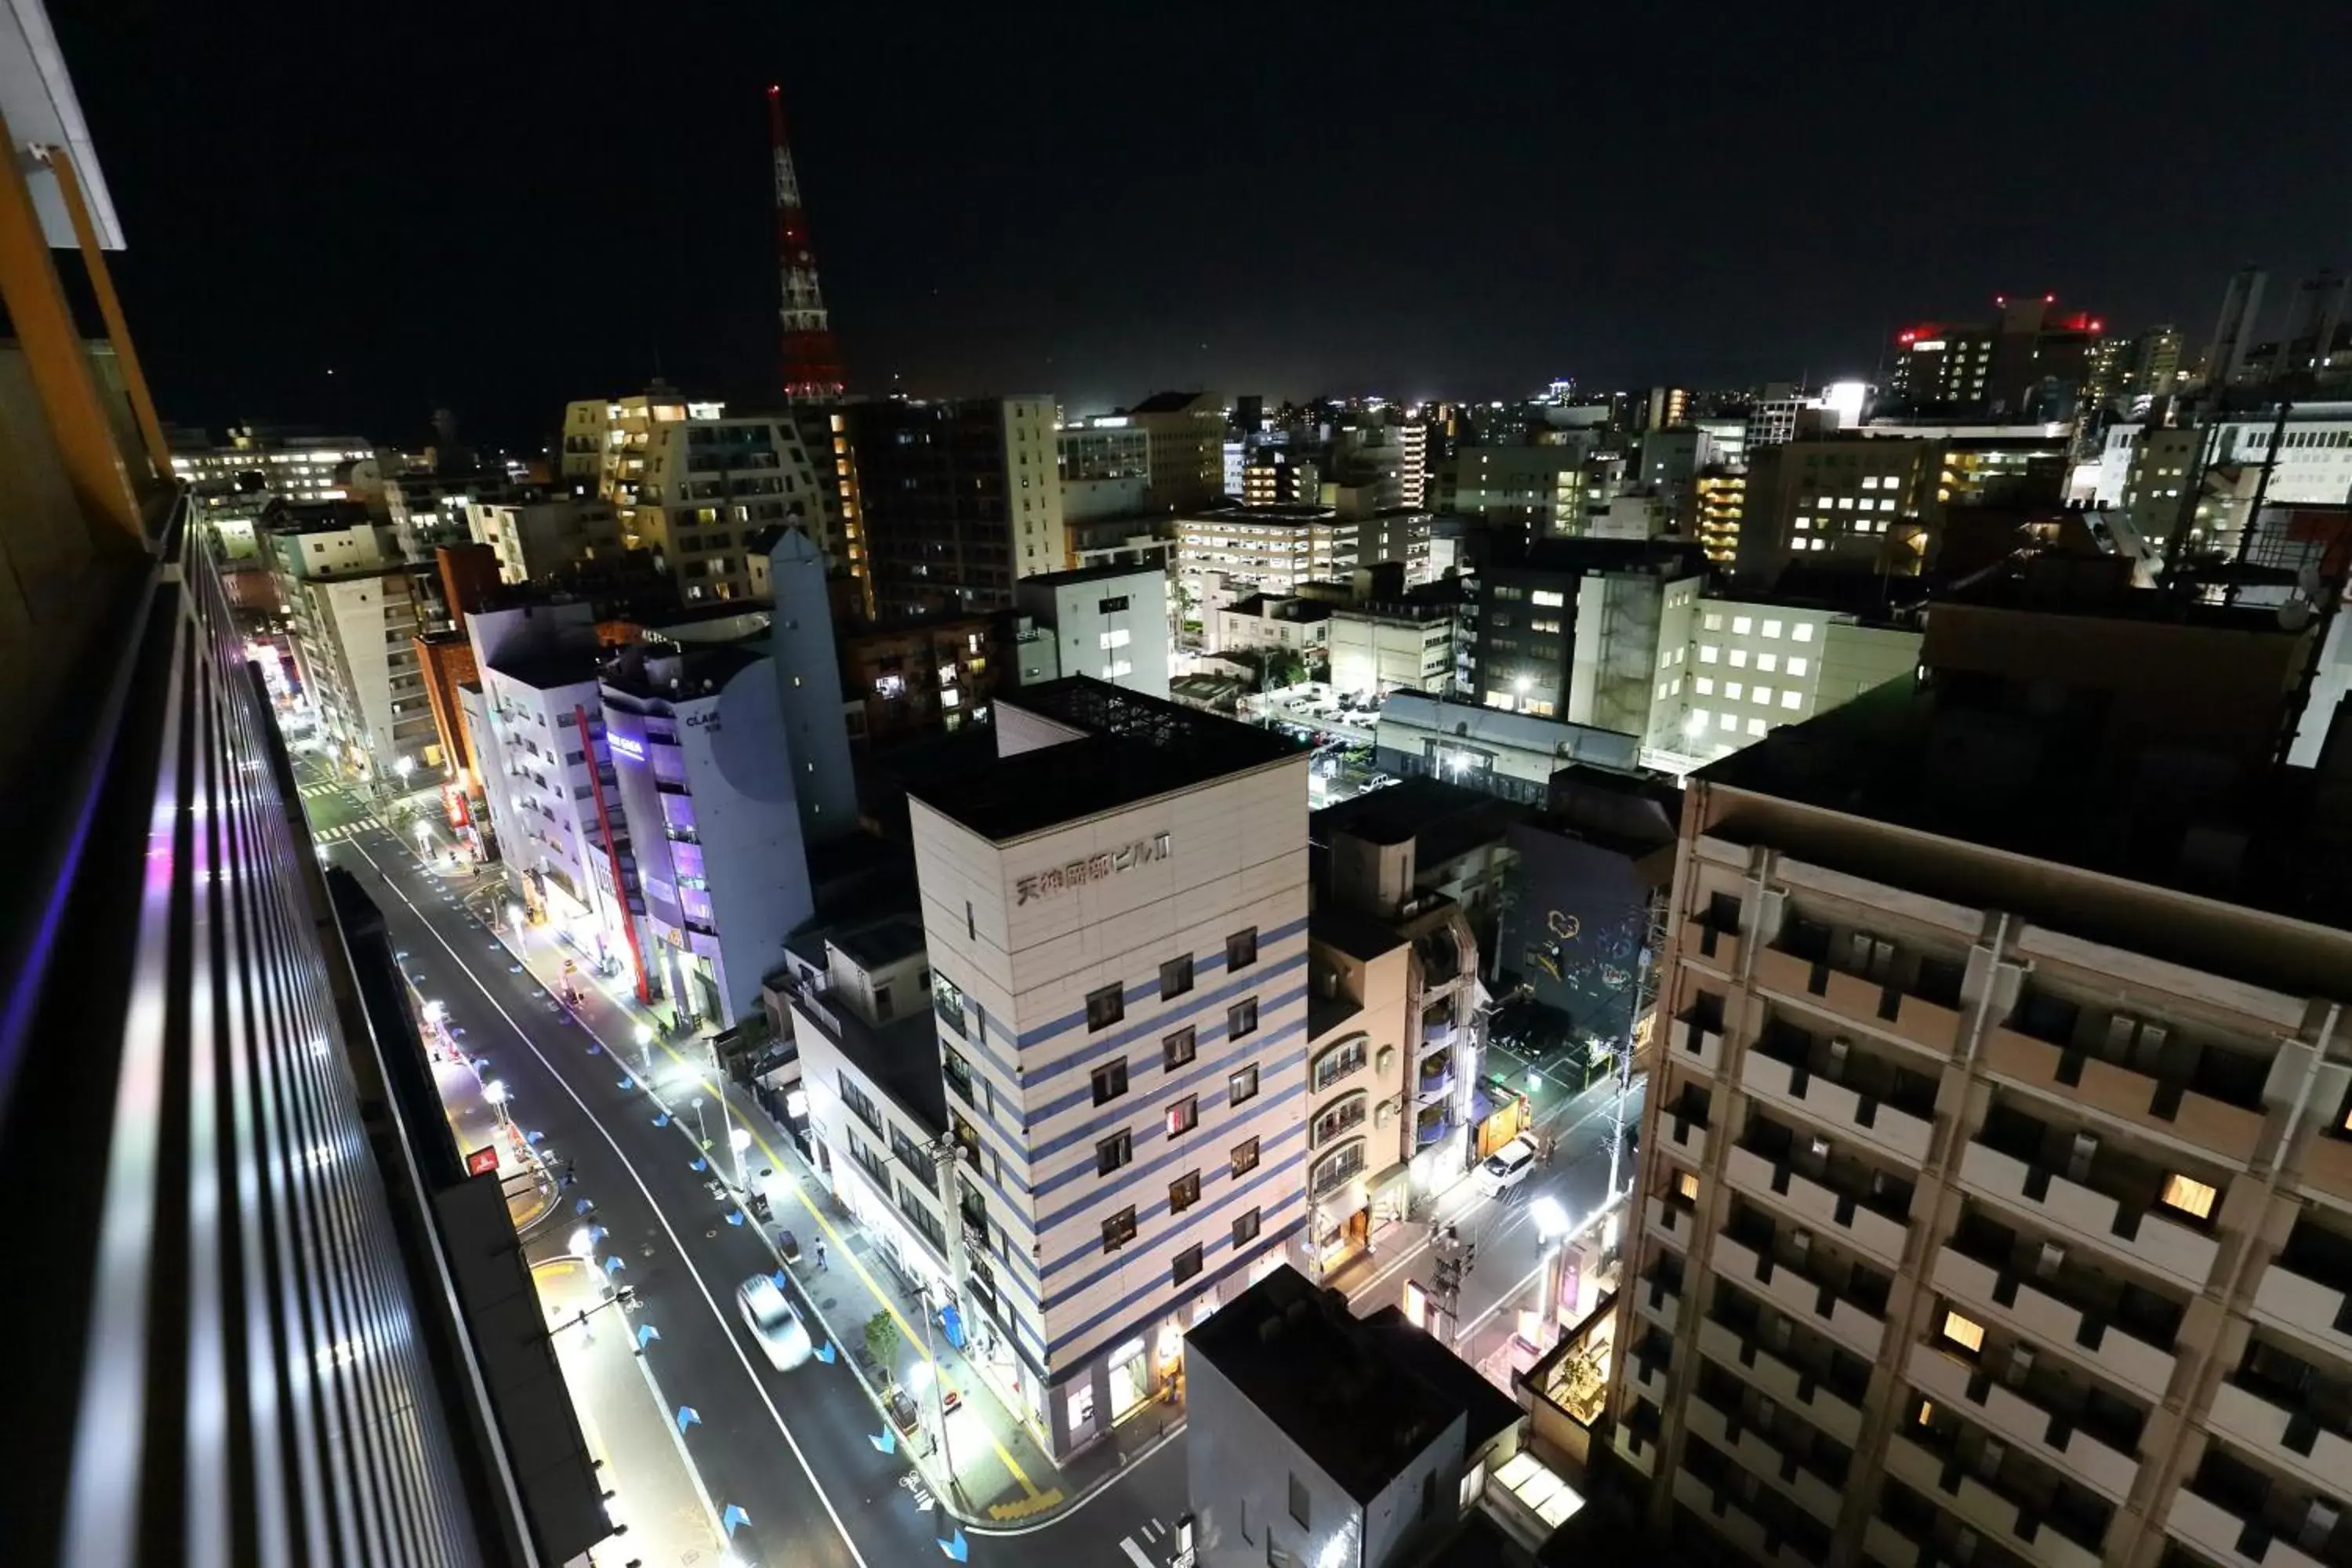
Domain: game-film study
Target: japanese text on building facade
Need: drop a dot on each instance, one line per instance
(1094, 868)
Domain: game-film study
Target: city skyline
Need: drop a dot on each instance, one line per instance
(1154, 213)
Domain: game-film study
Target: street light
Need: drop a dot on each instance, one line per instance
(739, 1138)
(646, 1048)
(424, 839)
(403, 767)
(701, 1138)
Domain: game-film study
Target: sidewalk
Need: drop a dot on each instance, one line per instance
(1003, 1475)
(530, 1194)
(657, 1495)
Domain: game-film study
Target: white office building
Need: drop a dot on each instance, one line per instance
(1731, 671)
(1380, 648)
(1226, 554)
(356, 612)
(1109, 622)
(538, 535)
(1115, 910)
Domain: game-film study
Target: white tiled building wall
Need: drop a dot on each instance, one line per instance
(1103, 1310)
(1744, 669)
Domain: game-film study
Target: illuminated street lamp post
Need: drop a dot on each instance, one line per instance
(645, 1049)
(701, 1136)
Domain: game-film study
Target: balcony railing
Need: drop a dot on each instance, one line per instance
(2076, 1183)
(1870, 1208)
(1852, 1090)
(2045, 1520)
(2081, 1309)
(2215, 1104)
(2288, 1413)
(1696, 1036)
(2236, 1515)
(1802, 1373)
(2041, 1411)
(1791, 1462)
(2307, 1289)
(1810, 1282)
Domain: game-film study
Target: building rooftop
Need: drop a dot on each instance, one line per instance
(1329, 1380)
(668, 675)
(1357, 935)
(544, 669)
(1445, 820)
(1522, 731)
(1171, 402)
(1687, 557)
(2038, 788)
(901, 1056)
(1269, 607)
(1134, 748)
(882, 944)
(1263, 516)
(1088, 574)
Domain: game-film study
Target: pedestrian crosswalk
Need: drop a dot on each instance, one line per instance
(341, 831)
(326, 786)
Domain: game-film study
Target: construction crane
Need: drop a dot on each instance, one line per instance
(812, 364)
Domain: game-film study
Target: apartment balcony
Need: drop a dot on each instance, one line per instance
(1715, 945)
(2241, 1516)
(2170, 1108)
(1683, 1126)
(1852, 974)
(2077, 1310)
(2326, 1164)
(1434, 1088)
(2289, 1415)
(2105, 1199)
(1852, 1093)
(1987, 1506)
(1436, 1030)
(1722, 1509)
(2307, 1287)
(1670, 1221)
(1792, 1273)
(2028, 1415)
(1432, 1131)
(1783, 1380)
(1695, 1038)
(1653, 1360)
(1758, 1454)
(1658, 1293)
(1635, 1439)
(1828, 1193)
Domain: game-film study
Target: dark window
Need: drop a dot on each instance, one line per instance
(1245, 1156)
(1176, 976)
(1188, 1263)
(1110, 605)
(1106, 1007)
(1184, 1192)
(1241, 949)
(1114, 1151)
(1241, 1086)
(1178, 1048)
(1185, 1115)
(1299, 1512)
(1245, 1228)
(1111, 1083)
(1241, 1018)
(1118, 1230)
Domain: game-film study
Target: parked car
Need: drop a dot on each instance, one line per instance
(774, 1323)
(1508, 1167)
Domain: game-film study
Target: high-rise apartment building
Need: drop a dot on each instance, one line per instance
(357, 610)
(2154, 369)
(1227, 552)
(428, 510)
(1114, 910)
(1570, 629)
(957, 500)
(1104, 467)
(1187, 435)
(2233, 332)
(2005, 366)
(535, 536)
(710, 490)
(1995, 1165)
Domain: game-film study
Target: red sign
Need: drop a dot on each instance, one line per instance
(483, 1161)
(453, 802)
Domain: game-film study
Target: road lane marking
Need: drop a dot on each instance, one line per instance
(1127, 1544)
(726, 1329)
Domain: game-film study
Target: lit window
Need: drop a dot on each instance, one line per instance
(1869, 482)
(1803, 524)
(1760, 694)
(1739, 658)
(1713, 622)
(1767, 662)
(2187, 1195)
(1698, 719)
(1707, 652)
(1741, 625)
(1798, 663)
(1547, 599)
(1926, 1414)
(1686, 1185)
(1802, 631)
(1726, 722)
(1888, 505)
(1756, 727)
(1964, 1333)
(1732, 689)
(1772, 628)
(1791, 698)
(1704, 685)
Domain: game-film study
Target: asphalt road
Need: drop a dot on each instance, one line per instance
(792, 1450)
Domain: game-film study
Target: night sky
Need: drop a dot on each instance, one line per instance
(499, 207)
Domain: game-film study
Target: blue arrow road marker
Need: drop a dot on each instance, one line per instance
(533, 1137)
(628, 1083)
(582, 1206)
(779, 1278)
(735, 1216)
(733, 1517)
(886, 1440)
(700, 1164)
(597, 1232)
(615, 1263)
(957, 1548)
(688, 1417)
(663, 1120)
(594, 1049)
(824, 1353)
(647, 1333)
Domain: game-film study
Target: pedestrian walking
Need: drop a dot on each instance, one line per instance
(820, 1255)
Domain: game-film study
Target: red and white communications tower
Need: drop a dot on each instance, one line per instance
(812, 364)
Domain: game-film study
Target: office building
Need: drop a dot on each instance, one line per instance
(709, 781)
(1265, 623)
(1105, 469)
(1115, 912)
(357, 611)
(1318, 1437)
(260, 462)
(2144, 468)
(1231, 551)
(957, 500)
(1186, 436)
(2031, 362)
(1108, 622)
(1536, 490)
(1569, 630)
(428, 510)
(1393, 644)
(1732, 670)
(2154, 368)
(1994, 1165)
(921, 676)
(2224, 361)
(1512, 755)
(536, 536)
(711, 488)
(220, 1376)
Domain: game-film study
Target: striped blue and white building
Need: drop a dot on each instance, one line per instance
(1115, 910)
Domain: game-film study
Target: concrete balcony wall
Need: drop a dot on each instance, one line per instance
(1621, 1440)
(2302, 1307)
(2168, 1250)
(2229, 1131)
(1669, 1223)
(2009, 1414)
(2327, 1167)
(2215, 1531)
(1689, 1141)
(1710, 949)
(2048, 1320)
(1735, 1523)
(2256, 1423)
(1770, 1375)
(1888, 1546)
(1799, 1297)
(1756, 1454)
(1838, 1108)
(1922, 1470)
(1819, 1206)
(1701, 1048)
(1661, 1306)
